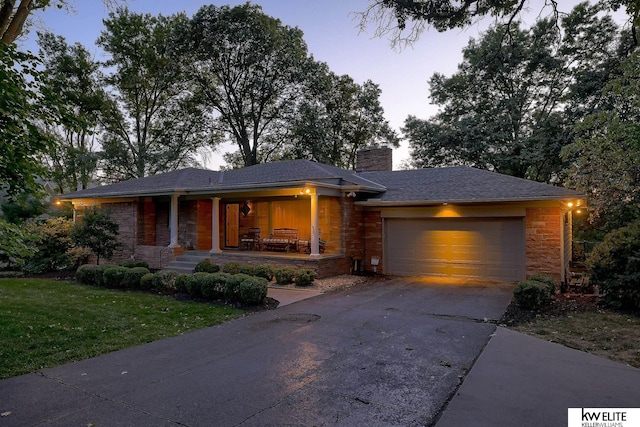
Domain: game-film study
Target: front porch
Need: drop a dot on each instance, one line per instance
(324, 265)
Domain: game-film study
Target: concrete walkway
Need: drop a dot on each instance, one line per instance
(519, 380)
(288, 296)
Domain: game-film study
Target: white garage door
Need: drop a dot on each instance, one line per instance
(478, 248)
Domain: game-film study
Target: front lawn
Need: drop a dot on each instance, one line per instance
(45, 323)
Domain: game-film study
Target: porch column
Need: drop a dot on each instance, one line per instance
(315, 244)
(215, 225)
(173, 221)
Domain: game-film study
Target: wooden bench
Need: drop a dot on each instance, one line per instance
(282, 239)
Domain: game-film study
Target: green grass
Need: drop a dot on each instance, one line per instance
(46, 323)
(605, 333)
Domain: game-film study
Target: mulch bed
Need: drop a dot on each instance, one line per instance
(561, 305)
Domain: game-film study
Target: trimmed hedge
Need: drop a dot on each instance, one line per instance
(132, 277)
(266, 271)
(285, 275)
(548, 281)
(165, 280)
(113, 276)
(205, 266)
(133, 264)
(181, 282)
(253, 290)
(531, 294)
(146, 281)
(231, 268)
(304, 277)
(232, 286)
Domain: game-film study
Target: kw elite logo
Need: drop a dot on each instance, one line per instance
(603, 417)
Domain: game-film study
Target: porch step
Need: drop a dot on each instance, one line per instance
(186, 263)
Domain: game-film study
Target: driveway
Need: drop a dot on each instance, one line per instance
(388, 353)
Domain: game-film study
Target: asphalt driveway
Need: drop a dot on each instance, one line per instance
(389, 353)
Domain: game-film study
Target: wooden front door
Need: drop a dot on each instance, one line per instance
(231, 228)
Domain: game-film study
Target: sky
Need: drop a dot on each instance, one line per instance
(331, 31)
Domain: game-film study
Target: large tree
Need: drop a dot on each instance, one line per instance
(504, 110)
(405, 20)
(248, 67)
(335, 118)
(155, 124)
(605, 157)
(71, 72)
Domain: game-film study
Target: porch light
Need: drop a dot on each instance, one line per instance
(570, 204)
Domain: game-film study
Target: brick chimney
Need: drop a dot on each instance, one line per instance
(374, 160)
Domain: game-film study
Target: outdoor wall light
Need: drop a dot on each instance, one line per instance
(245, 209)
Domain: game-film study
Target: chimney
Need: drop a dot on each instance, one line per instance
(374, 160)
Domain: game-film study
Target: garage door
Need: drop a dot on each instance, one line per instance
(482, 248)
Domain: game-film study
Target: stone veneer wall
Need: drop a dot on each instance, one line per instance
(543, 241)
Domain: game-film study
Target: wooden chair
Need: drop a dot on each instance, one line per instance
(251, 240)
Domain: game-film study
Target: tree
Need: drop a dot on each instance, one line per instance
(98, 232)
(248, 68)
(394, 17)
(25, 107)
(14, 17)
(15, 245)
(504, 110)
(155, 123)
(335, 118)
(71, 73)
(605, 157)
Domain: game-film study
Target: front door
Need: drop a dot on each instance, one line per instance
(231, 228)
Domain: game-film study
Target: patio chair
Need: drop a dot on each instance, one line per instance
(251, 240)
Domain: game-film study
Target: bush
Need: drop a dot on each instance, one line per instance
(304, 277)
(232, 286)
(214, 287)
(51, 247)
(548, 280)
(165, 280)
(194, 284)
(146, 282)
(284, 275)
(247, 269)
(231, 268)
(85, 274)
(205, 266)
(614, 265)
(253, 290)
(132, 264)
(265, 271)
(531, 295)
(181, 282)
(132, 277)
(113, 276)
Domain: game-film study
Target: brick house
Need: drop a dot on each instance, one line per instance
(455, 222)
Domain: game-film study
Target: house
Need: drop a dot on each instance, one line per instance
(453, 222)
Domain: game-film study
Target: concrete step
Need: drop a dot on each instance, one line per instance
(187, 262)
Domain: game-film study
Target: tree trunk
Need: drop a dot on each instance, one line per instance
(14, 29)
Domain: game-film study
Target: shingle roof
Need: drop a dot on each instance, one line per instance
(192, 180)
(462, 184)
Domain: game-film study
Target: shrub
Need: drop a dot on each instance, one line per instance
(284, 275)
(194, 284)
(304, 277)
(132, 277)
(52, 246)
(113, 276)
(205, 266)
(146, 281)
(265, 271)
(231, 268)
(97, 232)
(214, 286)
(133, 263)
(181, 282)
(232, 286)
(165, 280)
(253, 290)
(247, 269)
(531, 295)
(85, 274)
(548, 280)
(614, 265)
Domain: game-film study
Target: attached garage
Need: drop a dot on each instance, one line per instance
(464, 248)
